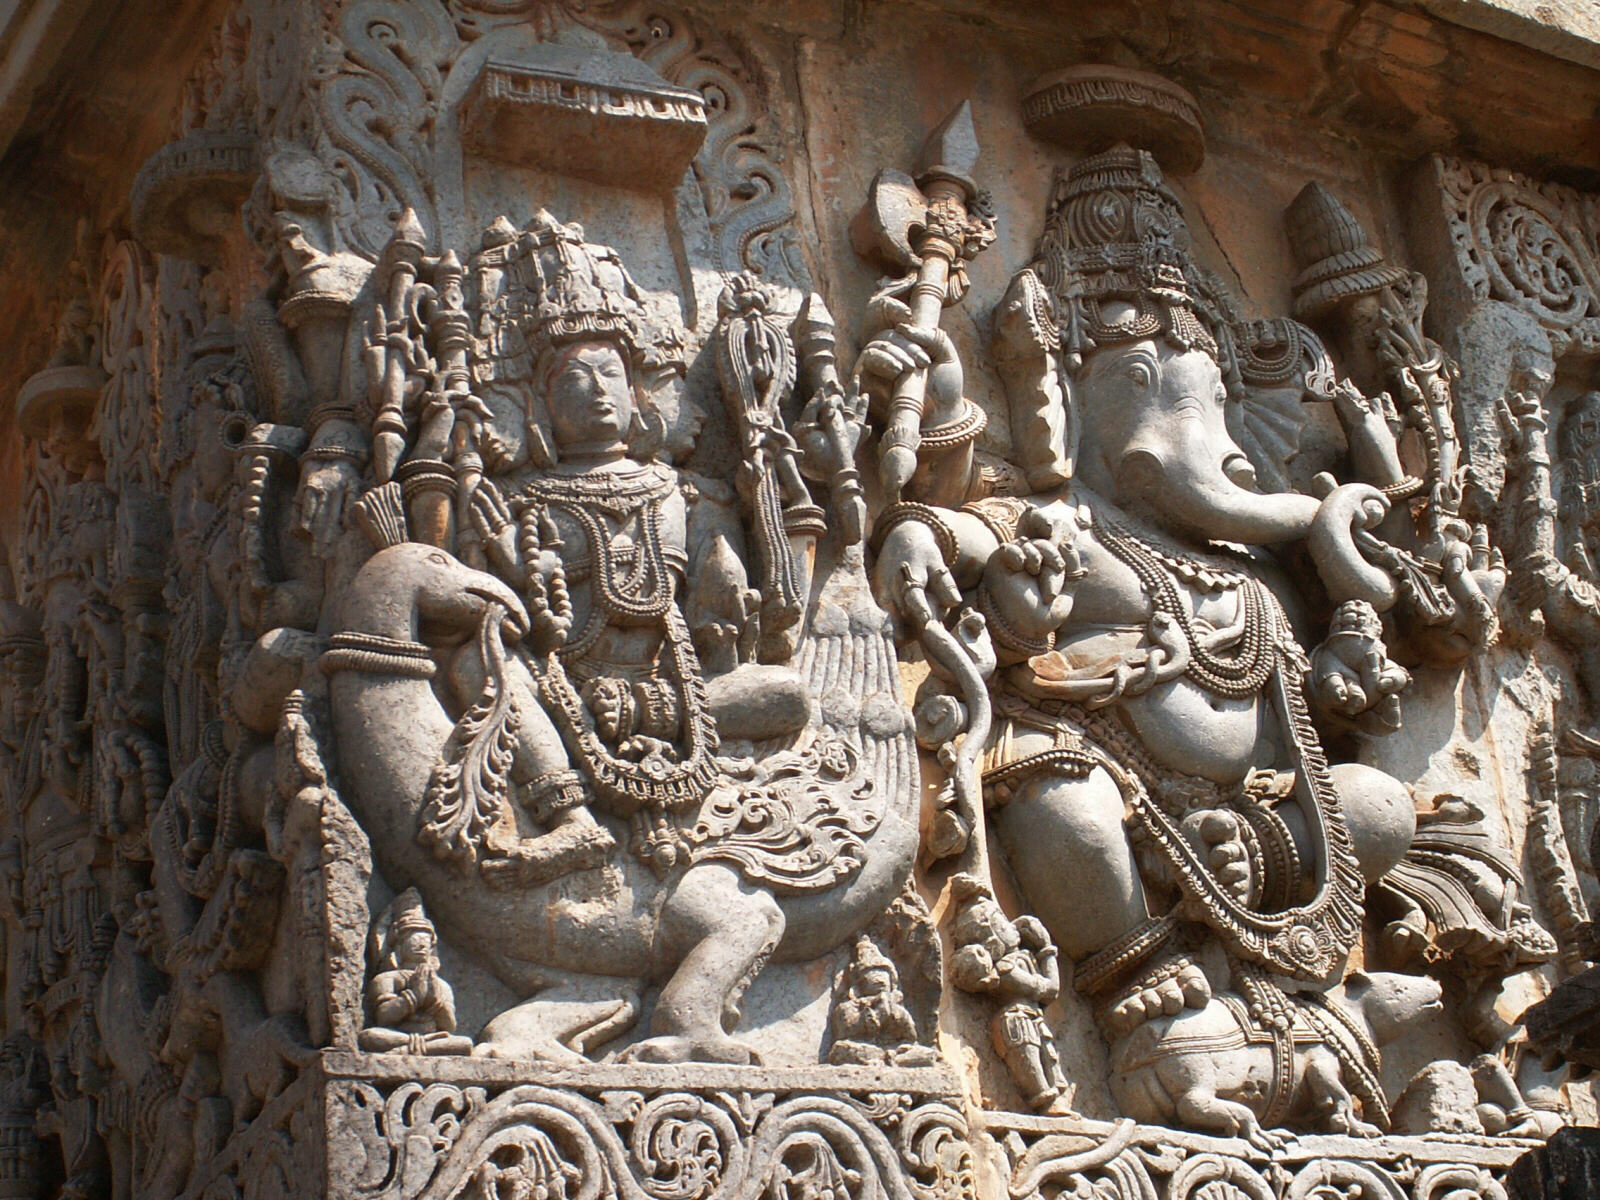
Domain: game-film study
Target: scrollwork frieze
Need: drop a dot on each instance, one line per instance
(418, 1141)
(1049, 1158)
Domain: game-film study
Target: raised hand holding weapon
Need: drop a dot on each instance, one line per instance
(933, 225)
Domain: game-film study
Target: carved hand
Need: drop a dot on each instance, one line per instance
(420, 985)
(1027, 583)
(1352, 677)
(1524, 416)
(911, 577)
(1475, 576)
(1033, 934)
(903, 349)
(491, 517)
(325, 487)
(1371, 426)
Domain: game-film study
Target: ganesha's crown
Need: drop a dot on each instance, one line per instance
(1113, 213)
(1116, 232)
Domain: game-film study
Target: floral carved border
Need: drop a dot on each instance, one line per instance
(1530, 244)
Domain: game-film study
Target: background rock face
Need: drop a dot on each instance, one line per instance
(815, 600)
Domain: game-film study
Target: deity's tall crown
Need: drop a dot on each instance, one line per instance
(548, 286)
(1116, 232)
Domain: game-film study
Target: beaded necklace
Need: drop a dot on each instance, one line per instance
(1246, 671)
(640, 594)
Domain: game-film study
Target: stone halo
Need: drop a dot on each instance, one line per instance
(1092, 106)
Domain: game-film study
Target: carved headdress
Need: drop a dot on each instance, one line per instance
(1330, 248)
(1114, 265)
(405, 915)
(545, 286)
(1116, 232)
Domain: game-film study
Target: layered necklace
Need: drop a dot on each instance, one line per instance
(641, 593)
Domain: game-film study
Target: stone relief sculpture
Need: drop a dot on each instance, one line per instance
(1016, 963)
(410, 1005)
(498, 709)
(1157, 436)
(598, 746)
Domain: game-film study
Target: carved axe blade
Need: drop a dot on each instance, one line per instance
(886, 228)
(882, 231)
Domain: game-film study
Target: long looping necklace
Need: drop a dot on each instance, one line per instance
(641, 595)
(1242, 674)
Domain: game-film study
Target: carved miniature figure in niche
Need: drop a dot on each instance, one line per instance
(411, 1007)
(542, 747)
(870, 1021)
(1016, 963)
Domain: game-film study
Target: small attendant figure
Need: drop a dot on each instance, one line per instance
(411, 1007)
(1016, 963)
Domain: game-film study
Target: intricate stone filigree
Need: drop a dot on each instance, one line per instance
(1528, 243)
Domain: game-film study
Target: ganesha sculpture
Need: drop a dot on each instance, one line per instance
(1155, 775)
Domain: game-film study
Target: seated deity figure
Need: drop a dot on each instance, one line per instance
(413, 1008)
(600, 542)
(583, 757)
(1154, 774)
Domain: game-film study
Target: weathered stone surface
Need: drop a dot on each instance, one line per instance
(918, 601)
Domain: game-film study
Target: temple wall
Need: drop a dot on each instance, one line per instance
(816, 599)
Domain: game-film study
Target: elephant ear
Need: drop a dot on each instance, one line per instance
(1270, 423)
(1282, 365)
(1028, 354)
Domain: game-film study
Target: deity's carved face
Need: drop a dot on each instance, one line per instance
(589, 396)
(1155, 432)
(874, 982)
(415, 947)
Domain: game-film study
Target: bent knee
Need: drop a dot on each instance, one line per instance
(1380, 815)
(1087, 813)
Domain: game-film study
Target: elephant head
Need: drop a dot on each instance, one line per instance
(1154, 436)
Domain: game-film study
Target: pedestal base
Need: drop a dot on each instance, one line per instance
(406, 1128)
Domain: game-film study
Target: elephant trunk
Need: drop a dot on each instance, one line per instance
(1195, 489)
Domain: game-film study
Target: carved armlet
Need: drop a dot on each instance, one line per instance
(1001, 515)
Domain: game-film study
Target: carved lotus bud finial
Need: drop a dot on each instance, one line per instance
(1092, 106)
(500, 232)
(1330, 248)
(57, 403)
